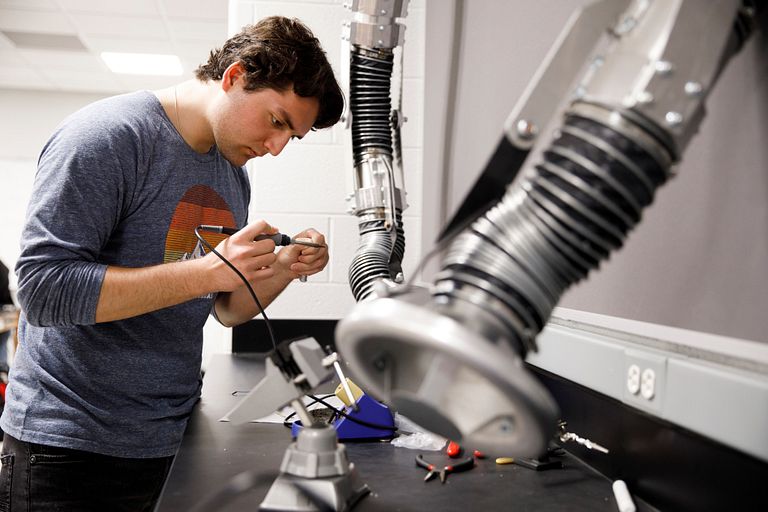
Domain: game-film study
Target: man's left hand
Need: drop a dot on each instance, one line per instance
(301, 260)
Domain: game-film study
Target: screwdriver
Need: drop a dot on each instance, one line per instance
(278, 238)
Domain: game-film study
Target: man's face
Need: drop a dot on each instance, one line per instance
(247, 124)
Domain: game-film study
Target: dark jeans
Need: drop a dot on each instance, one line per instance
(45, 478)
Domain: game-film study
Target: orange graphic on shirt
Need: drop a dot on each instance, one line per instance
(200, 205)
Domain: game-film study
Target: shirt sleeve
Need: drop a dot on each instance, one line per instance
(74, 208)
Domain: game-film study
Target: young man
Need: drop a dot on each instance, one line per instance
(114, 285)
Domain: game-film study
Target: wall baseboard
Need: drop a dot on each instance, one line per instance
(253, 336)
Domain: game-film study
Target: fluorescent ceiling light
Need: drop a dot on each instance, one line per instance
(142, 63)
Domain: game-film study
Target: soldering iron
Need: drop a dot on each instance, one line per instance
(278, 238)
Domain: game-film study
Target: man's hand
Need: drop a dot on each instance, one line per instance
(300, 260)
(253, 259)
(288, 264)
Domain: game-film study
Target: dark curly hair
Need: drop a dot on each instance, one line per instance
(278, 53)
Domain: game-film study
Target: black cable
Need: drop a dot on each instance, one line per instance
(352, 418)
(338, 412)
(287, 421)
(241, 276)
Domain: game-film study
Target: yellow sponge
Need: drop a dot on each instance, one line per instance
(342, 394)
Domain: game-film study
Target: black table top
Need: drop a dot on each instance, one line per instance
(214, 452)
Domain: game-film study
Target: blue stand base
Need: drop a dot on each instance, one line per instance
(369, 411)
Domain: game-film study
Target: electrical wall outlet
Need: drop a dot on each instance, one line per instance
(645, 379)
(633, 379)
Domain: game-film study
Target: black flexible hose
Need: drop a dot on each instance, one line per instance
(375, 257)
(370, 104)
(569, 214)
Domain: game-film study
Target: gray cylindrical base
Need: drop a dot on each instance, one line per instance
(316, 475)
(315, 454)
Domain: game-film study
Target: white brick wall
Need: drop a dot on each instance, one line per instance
(306, 185)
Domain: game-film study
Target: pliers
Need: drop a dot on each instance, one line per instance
(463, 465)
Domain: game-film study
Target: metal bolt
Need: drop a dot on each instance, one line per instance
(693, 89)
(626, 25)
(441, 300)
(663, 67)
(644, 97)
(673, 118)
(526, 129)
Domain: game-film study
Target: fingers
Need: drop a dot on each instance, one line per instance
(314, 236)
(311, 260)
(252, 259)
(246, 237)
(252, 230)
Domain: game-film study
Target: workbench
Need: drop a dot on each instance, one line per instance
(213, 452)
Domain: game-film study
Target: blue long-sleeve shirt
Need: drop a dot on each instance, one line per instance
(116, 185)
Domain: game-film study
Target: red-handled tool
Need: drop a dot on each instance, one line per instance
(463, 465)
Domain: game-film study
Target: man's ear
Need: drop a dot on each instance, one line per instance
(231, 75)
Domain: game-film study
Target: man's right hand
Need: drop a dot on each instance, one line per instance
(128, 292)
(253, 259)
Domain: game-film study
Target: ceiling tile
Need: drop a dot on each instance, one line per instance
(100, 44)
(11, 58)
(133, 7)
(209, 9)
(198, 30)
(35, 5)
(37, 40)
(119, 26)
(5, 43)
(89, 81)
(197, 50)
(35, 21)
(187, 28)
(69, 61)
(23, 78)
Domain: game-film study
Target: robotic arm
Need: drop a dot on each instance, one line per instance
(451, 356)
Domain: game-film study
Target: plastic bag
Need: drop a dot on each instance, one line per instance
(414, 437)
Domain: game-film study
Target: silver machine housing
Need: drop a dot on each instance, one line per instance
(633, 77)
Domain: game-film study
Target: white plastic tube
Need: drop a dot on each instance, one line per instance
(623, 498)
